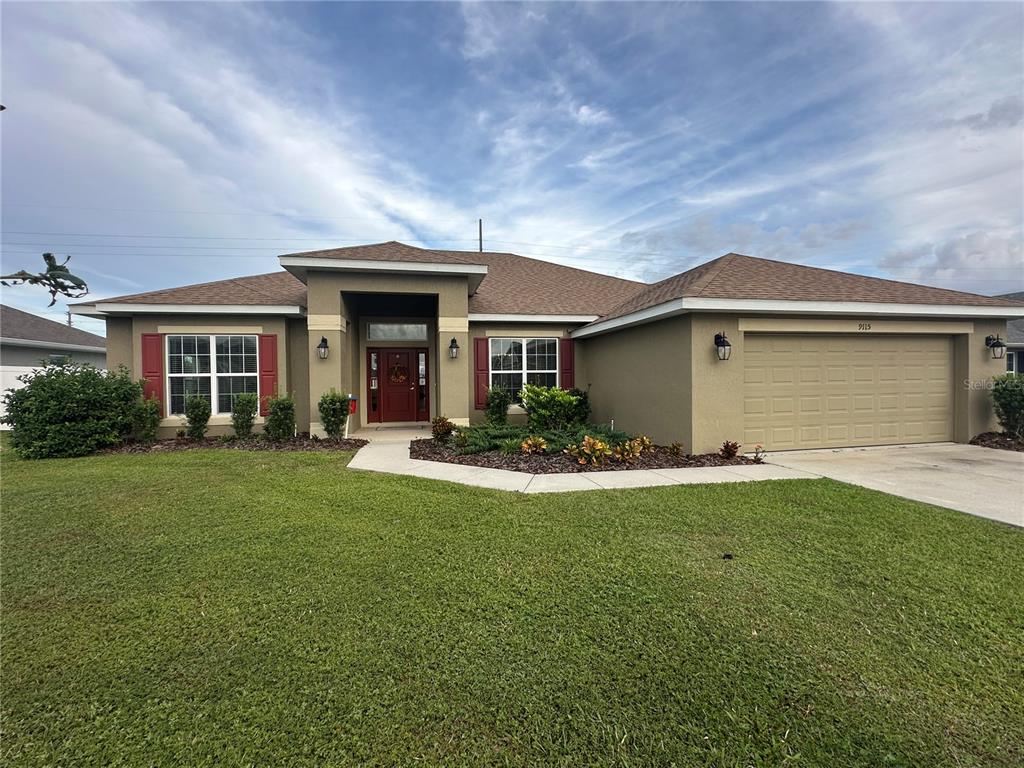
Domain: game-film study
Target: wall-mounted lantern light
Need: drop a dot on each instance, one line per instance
(997, 346)
(453, 349)
(322, 350)
(722, 346)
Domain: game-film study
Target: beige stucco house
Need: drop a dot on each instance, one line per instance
(738, 348)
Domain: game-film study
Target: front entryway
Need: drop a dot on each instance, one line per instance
(397, 384)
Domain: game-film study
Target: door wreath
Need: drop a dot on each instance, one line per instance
(398, 374)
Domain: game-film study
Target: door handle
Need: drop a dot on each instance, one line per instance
(412, 388)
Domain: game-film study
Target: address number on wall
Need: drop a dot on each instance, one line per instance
(863, 326)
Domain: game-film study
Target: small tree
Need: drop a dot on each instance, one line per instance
(197, 414)
(333, 412)
(498, 401)
(1008, 402)
(280, 418)
(243, 413)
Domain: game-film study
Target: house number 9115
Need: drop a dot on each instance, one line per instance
(863, 326)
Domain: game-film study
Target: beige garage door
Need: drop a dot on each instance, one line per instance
(809, 391)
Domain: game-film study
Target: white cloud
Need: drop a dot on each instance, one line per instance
(587, 115)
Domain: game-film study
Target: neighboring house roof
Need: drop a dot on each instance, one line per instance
(24, 327)
(735, 276)
(1014, 328)
(518, 285)
(514, 285)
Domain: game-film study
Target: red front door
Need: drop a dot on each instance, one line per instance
(397, 384)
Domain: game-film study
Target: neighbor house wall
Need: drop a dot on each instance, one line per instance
(640, 378)
(124, 346)
(17, 355)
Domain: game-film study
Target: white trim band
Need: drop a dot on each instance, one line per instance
(50, 345)
(102, 309)
(484, 318)
(772, 306)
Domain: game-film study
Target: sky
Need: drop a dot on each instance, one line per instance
(167, 144)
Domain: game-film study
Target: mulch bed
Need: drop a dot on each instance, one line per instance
(998, 440)
(548, 464)
(300, 443)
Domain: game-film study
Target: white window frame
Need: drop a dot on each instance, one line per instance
(213, 375)
(523, 340)
(1014, 357)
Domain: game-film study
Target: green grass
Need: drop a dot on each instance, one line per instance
(235, 608)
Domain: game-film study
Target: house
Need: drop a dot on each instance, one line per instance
(738, 348)
(28, 341)
(1014, 337)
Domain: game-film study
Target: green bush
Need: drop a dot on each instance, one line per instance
(146, 419)
(510, 447)
(498, 401)
(441, 428)
(70, 410)
(333, 412)
(243, 413)
(1008, 401)
(197, 416)
(551, 407)
(280, 418)
(582, 415)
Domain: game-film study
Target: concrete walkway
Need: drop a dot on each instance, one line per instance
(980, 481)
(388, 451)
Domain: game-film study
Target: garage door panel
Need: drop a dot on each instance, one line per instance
(806, 391)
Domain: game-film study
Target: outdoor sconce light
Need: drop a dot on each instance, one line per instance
(322, 350)
(453, 349)
(722, 346)
(997, 346)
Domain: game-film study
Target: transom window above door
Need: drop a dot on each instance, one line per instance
(518, 361)
(217, 368)
(397, 332)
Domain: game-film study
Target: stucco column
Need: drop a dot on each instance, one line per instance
(453, 374)
(974, 368)
(716, 385)
(325, 319)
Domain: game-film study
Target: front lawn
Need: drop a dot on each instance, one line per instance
(230, 608)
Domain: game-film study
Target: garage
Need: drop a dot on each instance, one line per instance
(835, 390)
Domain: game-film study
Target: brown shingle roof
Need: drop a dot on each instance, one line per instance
(15, 324)
(274, 288)
(515, 285)
(518, 285)
(735, 276)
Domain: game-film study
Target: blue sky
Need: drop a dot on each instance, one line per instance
(163, 144)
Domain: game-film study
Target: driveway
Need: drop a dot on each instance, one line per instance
(980, 481)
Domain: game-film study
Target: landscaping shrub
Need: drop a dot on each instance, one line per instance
(630, 451)
(197, 416)
(1008, 402)
(333, 412)
(243, 413)
(498, 401)
(729, 449)
(677, 449)
(280, 418)
(510, 447)
(582, 415)
(146, 419)
(488, 437)
(590, 451)
(441, 428)
(534, 444)
(550, 407)
(70, 410)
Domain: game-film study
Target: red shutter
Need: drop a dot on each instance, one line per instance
(566, 366)
(153, 367)
(268, 369)
(481, 371)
